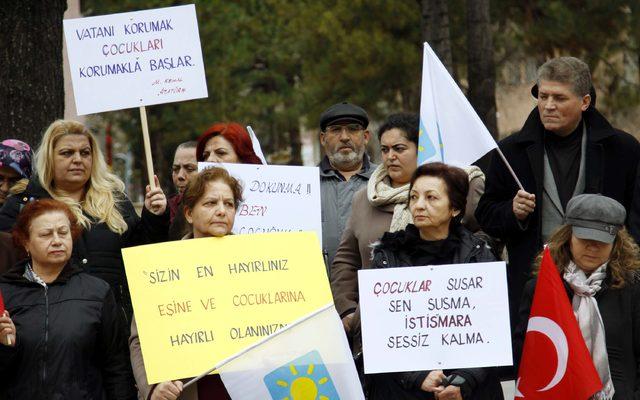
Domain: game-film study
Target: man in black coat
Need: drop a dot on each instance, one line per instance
(566, 147)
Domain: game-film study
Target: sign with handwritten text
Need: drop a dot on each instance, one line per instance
(277, 198)
(199, 301)
(135, 59)
(435, 317)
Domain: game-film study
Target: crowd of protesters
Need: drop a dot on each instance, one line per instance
(64, 219)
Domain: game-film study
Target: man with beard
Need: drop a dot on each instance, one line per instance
(344, 169)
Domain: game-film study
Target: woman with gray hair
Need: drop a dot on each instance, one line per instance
(599, 263)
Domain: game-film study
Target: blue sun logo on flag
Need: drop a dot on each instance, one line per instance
(305, 378)
(426, 148)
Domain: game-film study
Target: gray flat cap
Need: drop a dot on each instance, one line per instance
(595, 217)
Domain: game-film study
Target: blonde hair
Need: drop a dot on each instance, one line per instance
(623, 262)
(103, 190)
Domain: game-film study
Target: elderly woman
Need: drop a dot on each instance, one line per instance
(437, 200)
(382, 207)
(210, 203)
(599, 263)
(71, 168)
(223, 142)
(61, 336)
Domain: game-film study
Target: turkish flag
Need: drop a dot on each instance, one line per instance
(555, 363)
(1, 305)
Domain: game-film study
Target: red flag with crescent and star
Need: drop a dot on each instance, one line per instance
(555, 362)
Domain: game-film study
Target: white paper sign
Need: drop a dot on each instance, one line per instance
(277, 198)
(436, 317)
(135, 59)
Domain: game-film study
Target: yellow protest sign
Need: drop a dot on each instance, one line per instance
(199, 301)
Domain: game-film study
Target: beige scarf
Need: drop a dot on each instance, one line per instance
(585, 307)
(380, 193)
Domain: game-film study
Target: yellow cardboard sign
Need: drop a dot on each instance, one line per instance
(199, 301)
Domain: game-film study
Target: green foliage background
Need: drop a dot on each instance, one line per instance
(276, 64)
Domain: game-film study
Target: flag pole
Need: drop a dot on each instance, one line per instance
(509, 168)
(147, 146)
(260, 342)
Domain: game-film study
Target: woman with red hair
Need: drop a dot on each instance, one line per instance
(226, 142)
(63, 338)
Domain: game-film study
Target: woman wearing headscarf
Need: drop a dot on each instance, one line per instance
(61, 336)
(69, 167)
(15, 165)
(599, 262)
(210, 203)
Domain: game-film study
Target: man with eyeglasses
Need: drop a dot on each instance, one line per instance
(183, 169)
(344, 169)
(15, 164)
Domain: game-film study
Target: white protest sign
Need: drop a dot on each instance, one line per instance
(436, 317)
(277, 198)
(135, 59)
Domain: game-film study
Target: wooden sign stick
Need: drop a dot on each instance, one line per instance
(147, 146)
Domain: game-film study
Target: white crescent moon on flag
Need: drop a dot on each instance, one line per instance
(553, 331)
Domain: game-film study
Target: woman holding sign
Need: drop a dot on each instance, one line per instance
(600, 268)
(437, 197)
(381, 207)
(210, 202)
(70, 168)
(62, 336)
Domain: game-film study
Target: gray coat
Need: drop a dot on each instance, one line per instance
(336, 195)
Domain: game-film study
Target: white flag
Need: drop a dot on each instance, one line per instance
(256, 145)
(307, 360)
(450, 129)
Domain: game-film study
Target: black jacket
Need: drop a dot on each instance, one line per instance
(611, 165)
(620, 311)
(98, 249)
(70, 343)
(391, 252)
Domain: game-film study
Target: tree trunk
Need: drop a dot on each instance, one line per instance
(481, 66)
(296, 143)
(435, 30)
(32, 88)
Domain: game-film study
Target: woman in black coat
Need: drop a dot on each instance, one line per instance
(437, 200)
(61, 336)
(599, 263)
(70, 167)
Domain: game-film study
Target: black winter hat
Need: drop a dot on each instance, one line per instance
(344, 111)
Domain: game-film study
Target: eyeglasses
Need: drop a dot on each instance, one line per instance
(351, 129)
